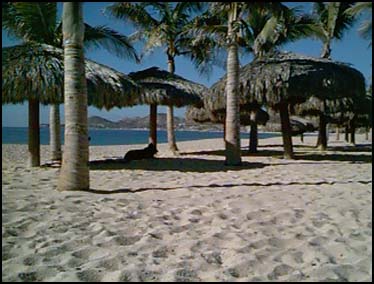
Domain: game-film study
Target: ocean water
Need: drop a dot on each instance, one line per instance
(19, 135)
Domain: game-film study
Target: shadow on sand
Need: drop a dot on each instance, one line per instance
(172, 164)
(231, 185)
(347, 153)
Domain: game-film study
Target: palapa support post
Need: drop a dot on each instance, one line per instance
(337, 133)
(34, 133)
(153, 124)
(286, 131)
(322, 133)
(55, 135)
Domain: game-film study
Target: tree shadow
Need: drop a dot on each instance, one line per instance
(281, 145)
(172, 164)
(346, 148)
(334, 157)
(205, 152)
(230, 185)
(244, 153)
(351, 148)
(305, 155)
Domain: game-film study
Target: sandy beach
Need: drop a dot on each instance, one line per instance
(190, 218)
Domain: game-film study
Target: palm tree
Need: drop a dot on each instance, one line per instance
(365, 29)
(37, 22)
(232, 139)
(257, 27)
(164, 30)
(220, 27)
(74, 173)
(331, 21)
(267, 30)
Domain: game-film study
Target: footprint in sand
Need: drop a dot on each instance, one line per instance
(83, 253)
(186, 275)
(90, 275)
(127, 240)
(279, 271)
(6, 252)
(162, 252)
(212, 257)
(148, 275)
(31, 276)
(111, 264)
(257, 215)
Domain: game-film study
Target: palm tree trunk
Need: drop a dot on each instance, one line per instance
(74, 171)
(322, 133)
(253, 138)
(34, 133)
(153, 124)
(232, 138)
(54, 129)
(170, 114)
(286, 131)
(326, 51)
(170, 129)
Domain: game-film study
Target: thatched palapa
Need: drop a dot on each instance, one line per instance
(335, 111)
(37, 72)
(284, 79)
(161, 87)
(292, 78)
(246, 118)
(164, 88)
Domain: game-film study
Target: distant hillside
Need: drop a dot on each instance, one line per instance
(132, 122)
(99, 122)
(143, 123)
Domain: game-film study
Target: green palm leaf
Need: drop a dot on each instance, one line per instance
(30, 21)
(356, 10)
(131, 12)
(102, 36)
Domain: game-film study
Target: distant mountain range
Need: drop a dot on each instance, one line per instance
(143, 123)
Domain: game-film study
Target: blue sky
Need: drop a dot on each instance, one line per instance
(352, 49)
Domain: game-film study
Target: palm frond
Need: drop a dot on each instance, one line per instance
(133, 13)
(102, 36)
(268, 36)
(360, 7)
(30, 21)
(365, 29)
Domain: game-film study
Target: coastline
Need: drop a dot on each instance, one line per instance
(189, 218)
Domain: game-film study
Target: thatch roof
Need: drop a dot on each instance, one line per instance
(335, 111)
(37, 71)
(202, 115)
(300, 125)
(164, 88)
(292, 78)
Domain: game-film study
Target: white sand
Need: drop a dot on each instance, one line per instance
(192, 219)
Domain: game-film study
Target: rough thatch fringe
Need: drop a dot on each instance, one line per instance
(248, 117)
(291, 78)
(164, 88)
(37, 71)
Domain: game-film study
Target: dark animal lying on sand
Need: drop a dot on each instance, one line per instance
(146, 153)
